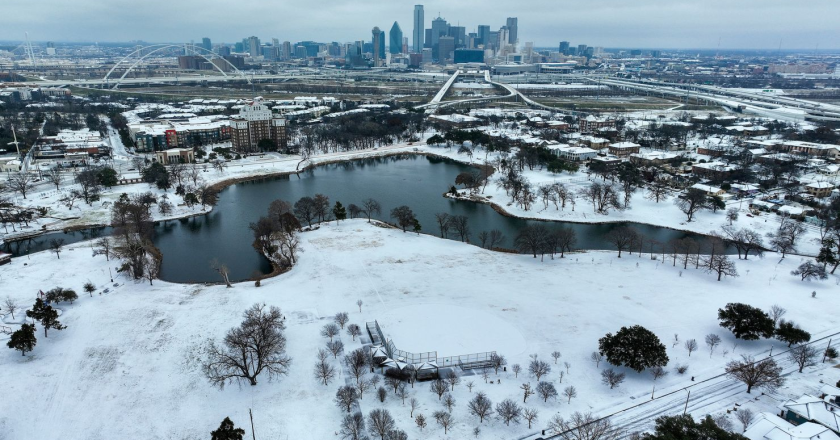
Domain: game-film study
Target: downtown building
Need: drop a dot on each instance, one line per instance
(254, 124)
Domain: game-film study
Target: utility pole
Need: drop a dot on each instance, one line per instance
(686, 402)
(825, 353)
(253, 434)
(15, 143)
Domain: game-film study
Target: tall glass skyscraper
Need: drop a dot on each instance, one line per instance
(396, 39)
(419, 31)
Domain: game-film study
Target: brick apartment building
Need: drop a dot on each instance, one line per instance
(256, 122)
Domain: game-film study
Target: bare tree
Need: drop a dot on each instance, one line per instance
(691, 202)
(527, 391)
(413, 403)
(443, 220)
(803, 356)
(546, 391)
(371, 207)
(508, 411)
(583, 427)
(567, 366)
(353, 427)
(539, 368)
(258, 345)
(657, 190)
(55, 246)
(402, 392)
(324, 372)
(341, 319)
(496, 239)
(611, 378)
(745, 416)
(380, 422)
(420, 420)
(597, 358)
(470, 385)
(10, 306)
(354, 330)
(516, 369)
(712, 341)
(690, 345)
(444, 419)
(731, 215)
(530, 415)
(381, 393)
(497, 361)
(329, 331)
(346, 397)
(103, 247)
(556, 355)
(335, 347)
(762, 374)
(438, 387)
(776, 312)
(448, 402)
(21, 182)
(53, 175)
(222, 270)
(569, 392)
(453, 379)
(460, 223)
(722, 266)
(480, 406)
(362, 386)
(621, 237)
(359, 303)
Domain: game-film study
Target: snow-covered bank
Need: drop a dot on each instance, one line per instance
(123, 368)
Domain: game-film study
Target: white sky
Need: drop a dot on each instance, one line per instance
(737, 24)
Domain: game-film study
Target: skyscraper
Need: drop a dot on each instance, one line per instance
(564, 47)
(513, 30)
(439, 27)
(254, 46)
(484, 35)
(396, 40)
(419, 23)
(459, 34)
(205, 43)
(377, 37)
(446, 46)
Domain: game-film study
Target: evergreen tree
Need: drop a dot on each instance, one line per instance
(46, 315)
(746, 322)
(339, 212)
(227, 431)
(635, 347)
(23, 339)
(685, 428)
(791, 333)
(417, 227)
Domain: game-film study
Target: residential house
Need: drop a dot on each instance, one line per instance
(772, 427)
(623, 149)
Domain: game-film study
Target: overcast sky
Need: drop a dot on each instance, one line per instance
(736, 24)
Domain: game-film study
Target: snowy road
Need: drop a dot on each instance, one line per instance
(704, 397)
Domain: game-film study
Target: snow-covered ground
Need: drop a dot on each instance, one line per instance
(124, 368)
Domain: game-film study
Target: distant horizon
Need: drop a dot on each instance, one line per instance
(520, 45)
(665, 24)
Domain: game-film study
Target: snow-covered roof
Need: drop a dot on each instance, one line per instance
(814, 408)
(769, 426)
(820, 185)
(623, 145)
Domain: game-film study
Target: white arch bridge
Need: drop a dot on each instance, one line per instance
(156, 48)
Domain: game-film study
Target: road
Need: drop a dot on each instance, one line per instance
(706, 396)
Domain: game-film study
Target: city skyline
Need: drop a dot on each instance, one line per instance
(608, 23)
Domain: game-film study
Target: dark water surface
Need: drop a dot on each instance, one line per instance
(188, 245)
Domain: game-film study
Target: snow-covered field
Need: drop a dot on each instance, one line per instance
(123, 368)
